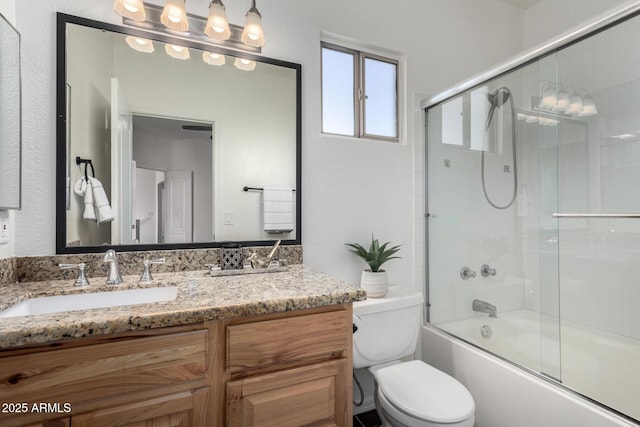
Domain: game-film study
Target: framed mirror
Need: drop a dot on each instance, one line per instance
(165, 142)
(10, 117)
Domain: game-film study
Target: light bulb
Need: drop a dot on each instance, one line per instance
(213, 58)
(217, 24)
(244, 64)
(174, 15)
(130, 6)
(253, 35)
(139, 44)
(132, 9)
(176, 51)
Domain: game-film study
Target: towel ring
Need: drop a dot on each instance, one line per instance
(86, 162)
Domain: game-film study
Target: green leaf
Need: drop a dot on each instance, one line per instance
(377, 254)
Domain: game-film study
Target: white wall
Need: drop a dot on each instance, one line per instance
(350, 188)
(549, 18)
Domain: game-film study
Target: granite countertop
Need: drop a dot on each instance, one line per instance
(200, 298)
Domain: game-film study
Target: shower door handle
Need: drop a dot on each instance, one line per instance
(596, 215)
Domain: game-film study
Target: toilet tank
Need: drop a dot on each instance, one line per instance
(387, 327)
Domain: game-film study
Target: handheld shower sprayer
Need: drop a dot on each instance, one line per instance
(497, 99)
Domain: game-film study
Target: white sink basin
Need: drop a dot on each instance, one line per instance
(60, 303)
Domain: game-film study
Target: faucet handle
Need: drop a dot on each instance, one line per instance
(82, 279)
(146, 274)
(487, 271)
(467, 273)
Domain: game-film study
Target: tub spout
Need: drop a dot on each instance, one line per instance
(485, 307)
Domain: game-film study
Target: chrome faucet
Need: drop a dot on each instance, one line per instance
(466, 273)
(484, 307)
(263, 261)
(487, 271)
(114, 273)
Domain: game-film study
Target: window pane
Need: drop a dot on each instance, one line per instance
(337, 92)
(452, 122)
(381, 98)
(479, 114)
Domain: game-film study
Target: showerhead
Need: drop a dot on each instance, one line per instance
(498, 98)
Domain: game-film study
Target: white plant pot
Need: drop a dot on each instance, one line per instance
(375, 284)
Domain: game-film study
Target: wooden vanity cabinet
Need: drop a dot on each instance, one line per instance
(185, 409)
(291, 368)
(66, 422)
(160, 375)
(292, 371)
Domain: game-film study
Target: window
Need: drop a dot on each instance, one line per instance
(359, 94)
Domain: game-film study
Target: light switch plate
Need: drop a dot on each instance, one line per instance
(4, 227)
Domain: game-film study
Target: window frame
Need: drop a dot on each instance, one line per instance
(359, 89)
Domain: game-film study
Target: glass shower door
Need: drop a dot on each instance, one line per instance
(492, 239)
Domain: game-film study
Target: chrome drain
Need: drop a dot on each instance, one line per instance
(486, 331)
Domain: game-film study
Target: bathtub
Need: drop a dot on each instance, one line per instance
(597, 364)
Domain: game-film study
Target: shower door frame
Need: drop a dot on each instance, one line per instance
(596, 25)
(592, 27)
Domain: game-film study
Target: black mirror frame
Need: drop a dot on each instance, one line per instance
(61, 135)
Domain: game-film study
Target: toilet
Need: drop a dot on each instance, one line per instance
(412, 393)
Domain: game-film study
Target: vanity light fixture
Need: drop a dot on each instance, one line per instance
(132, 9)
(253, 35)
(244, 64)
(217, 26)
(176, 51)
(576, 105)
(588, 107)
(202, 29)
(562, 100)
(548, 100)
(140, 44)
(213, 58)
(174, 15)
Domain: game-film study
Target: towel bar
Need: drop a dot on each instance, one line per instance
(596, 215)
(245, 188)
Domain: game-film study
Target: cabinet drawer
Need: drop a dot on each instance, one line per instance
(260, 344)
(97, 371)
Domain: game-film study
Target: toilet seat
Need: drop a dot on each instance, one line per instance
(423, 395)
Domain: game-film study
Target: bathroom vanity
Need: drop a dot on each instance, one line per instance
(271, 349)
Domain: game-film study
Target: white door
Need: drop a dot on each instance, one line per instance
(121, 166)
(177, 209)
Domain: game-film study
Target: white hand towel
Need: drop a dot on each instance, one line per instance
(103, 210)
(89, 208)
(80, 189)
(277, 205)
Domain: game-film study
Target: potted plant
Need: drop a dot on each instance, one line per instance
(374, 280)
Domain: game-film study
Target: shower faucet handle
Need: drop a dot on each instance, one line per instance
(487, 271)
(467, 273)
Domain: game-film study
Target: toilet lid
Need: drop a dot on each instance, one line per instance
(425, 392)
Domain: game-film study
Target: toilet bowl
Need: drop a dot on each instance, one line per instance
(411, 394)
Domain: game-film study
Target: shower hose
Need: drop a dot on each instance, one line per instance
(513, 143)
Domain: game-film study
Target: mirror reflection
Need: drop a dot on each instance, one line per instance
(172, 135)
(10, 140)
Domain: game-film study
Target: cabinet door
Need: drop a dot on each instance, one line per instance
(314, 394)
(187, 409)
